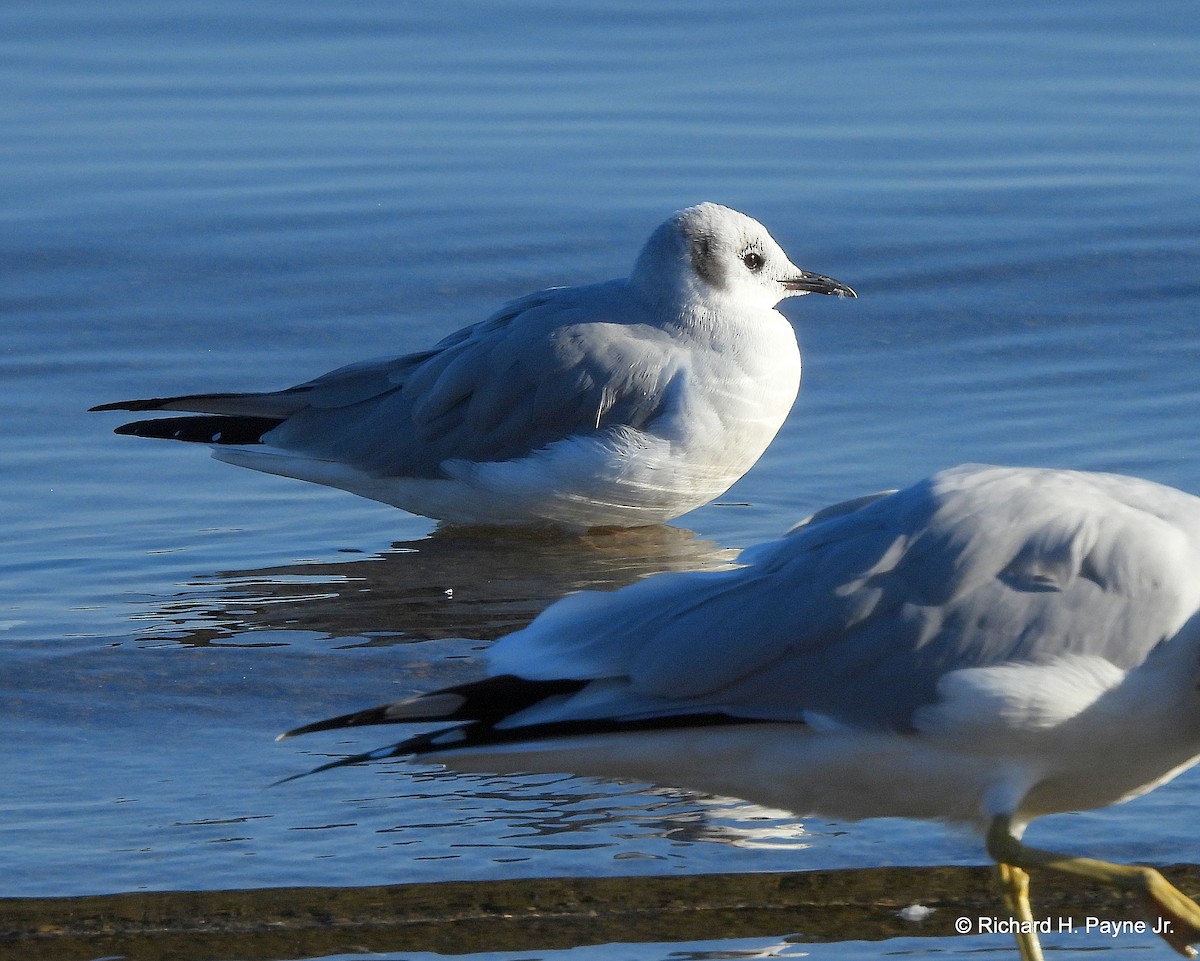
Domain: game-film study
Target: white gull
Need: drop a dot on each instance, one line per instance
(985, 647)
(619, 404)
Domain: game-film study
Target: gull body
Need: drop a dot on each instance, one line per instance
(621, 403)
(984, 647)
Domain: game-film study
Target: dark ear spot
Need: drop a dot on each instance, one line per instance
(702, 259)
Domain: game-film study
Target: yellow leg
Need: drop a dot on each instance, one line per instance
(1173, 915)
(1014, 886)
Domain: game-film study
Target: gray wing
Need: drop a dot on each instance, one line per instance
(563, 362)
(858, 617)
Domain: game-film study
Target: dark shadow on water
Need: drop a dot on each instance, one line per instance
(458, 582)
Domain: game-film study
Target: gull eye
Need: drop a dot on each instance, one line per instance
(753, 260)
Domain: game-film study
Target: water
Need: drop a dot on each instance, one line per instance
(1065, 948)
(218, 195)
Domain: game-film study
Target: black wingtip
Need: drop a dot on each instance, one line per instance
(372, 715)
(147, 403)
(485, 701)
(440, 739)
(203, 429)
(377, 755)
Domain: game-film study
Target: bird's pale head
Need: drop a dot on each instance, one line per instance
(712, 252)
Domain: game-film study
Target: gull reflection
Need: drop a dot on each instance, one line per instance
(473, 582)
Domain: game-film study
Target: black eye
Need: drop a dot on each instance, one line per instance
(753, 260)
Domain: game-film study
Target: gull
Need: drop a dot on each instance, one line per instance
(616, 404)
(985, 647)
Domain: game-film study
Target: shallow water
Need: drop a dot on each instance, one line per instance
(748, 949)
(229, 196)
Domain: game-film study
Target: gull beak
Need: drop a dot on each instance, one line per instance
(809, 283)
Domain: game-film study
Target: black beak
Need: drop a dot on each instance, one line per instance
(818, 284)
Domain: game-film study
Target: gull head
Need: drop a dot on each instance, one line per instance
(711, 252)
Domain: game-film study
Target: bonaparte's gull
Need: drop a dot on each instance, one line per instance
(985, 647)
(621, 403)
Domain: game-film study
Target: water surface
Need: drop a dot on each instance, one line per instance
(215, 195)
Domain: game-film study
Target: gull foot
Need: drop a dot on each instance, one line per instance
(1175, 917)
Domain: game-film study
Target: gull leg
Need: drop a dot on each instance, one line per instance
(1175, 917)
(1014, 886)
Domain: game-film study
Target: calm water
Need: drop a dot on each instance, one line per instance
(1076, 948)
(222, 195)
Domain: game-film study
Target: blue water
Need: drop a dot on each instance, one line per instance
(1076, 943)
(222, 195)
